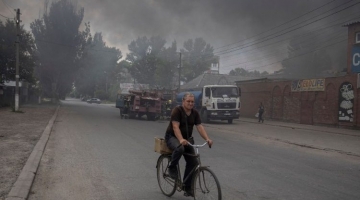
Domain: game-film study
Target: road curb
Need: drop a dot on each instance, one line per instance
(21, 188)
(333, 130)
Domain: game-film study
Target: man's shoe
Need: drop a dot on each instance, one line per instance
(173, 173)
(188, 192)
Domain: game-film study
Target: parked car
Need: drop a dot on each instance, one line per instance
(94, 100)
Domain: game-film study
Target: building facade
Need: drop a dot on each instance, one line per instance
(333, 101)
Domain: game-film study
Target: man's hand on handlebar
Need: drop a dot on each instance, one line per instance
(210, 142)
(183, 142)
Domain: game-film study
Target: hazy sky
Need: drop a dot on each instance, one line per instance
(225, 24)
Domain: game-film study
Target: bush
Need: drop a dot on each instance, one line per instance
(101, 94)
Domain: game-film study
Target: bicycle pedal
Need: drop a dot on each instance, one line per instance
(188, 195)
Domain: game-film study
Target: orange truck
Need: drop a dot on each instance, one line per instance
(138, 103)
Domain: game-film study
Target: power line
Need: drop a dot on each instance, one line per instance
(265, 57)
(305, 24)
(304, 36)
(300, 54)
(276, 36)
(71, 46)
(5, 16)
(296, 36)
(261, 40)
(299, 36)
(12, 11)
(220, 52)
(280, 24)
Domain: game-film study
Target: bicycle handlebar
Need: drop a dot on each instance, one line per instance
(197, 145)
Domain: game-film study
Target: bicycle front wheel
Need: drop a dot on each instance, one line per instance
(166, 184)
(206, 185)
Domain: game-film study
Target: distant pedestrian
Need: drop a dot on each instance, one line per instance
(261, 112)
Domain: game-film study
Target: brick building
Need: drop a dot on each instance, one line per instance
(333, 101)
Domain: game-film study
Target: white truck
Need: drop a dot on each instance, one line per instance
(216, 102)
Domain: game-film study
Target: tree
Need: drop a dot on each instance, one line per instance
(198, 57)
(239, 72)
(306, 59)
(122, 72)
(7, 53)
(144, 58)
(59, 44)
(98, 67)
(243, 72)
(166, 67)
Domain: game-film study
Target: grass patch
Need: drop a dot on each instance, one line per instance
(18, 111)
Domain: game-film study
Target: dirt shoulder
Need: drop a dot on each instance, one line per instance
(19, 133)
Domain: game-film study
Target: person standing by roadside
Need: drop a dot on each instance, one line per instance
(261, 112)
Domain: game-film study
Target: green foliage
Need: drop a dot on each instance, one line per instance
(59, 44)
(101, 94)
(197, 58)
(18, 111)
(144, 57)
(243, 72)
(74, 94)
(8, 53)
(98, 66)
(122, 71)
(152, 63)
(112, 92)
(167, 67)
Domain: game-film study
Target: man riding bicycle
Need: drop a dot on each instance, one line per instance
(179, 133)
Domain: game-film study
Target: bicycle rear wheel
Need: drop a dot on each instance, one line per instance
(206, 185)
(166, 184)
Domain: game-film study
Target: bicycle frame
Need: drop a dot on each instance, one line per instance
(200, 175)
(197, 155)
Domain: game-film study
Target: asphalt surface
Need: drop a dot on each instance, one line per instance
(342, 141)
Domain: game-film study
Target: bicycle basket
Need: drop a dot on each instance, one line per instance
(161, 147)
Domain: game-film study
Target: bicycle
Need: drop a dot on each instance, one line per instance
(205, 184)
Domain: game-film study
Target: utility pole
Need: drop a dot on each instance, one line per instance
(179, 72)
(17, 59)
(105, 82)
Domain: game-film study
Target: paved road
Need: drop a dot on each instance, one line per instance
(92, 154)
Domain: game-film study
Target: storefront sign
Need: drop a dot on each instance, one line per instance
(308, 85)
(355, 59)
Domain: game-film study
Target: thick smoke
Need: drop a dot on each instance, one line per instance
(224, 24)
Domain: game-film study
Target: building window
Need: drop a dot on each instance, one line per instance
(357, 38)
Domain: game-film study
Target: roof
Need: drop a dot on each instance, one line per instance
(211, 79)
(284, 77)
(223, 86)
(151, 98)
(12, 84)
(351, 23)
(196, 94)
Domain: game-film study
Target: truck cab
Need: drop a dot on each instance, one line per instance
(220, 102)
(216, 102)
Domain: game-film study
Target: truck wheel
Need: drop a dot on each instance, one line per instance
(205, 116)
(150, 117)
(131, 115)
(230, 121)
